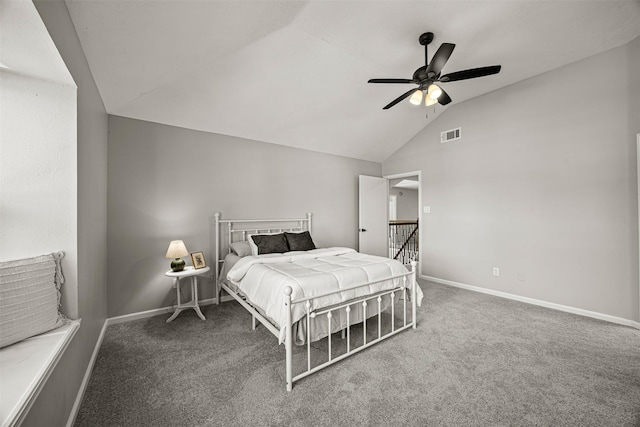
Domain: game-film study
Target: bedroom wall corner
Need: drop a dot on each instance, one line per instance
(634, 129)
(38, 174)
(60, 395)
(544, 191)
(165, 183)
(37, 146)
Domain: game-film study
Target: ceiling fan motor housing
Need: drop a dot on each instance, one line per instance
(420, 76)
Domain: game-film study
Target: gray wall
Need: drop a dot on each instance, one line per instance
(54, 404)
(407, 203)
(542, 185)
(165, 183)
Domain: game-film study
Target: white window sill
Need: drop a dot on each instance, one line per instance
(25, 367)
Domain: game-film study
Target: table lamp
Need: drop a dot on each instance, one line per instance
(176, 250)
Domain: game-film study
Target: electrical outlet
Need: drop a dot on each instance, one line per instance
(496, 271)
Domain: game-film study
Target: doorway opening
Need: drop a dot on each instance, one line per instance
(404, 217)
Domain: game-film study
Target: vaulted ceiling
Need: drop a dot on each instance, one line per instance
(295, 72)
(26, 47)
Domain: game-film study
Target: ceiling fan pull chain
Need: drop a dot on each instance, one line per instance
(434, 111)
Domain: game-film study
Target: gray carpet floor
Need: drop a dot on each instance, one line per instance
(474, 360)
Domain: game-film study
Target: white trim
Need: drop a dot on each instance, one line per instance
(403, 175)
(554, 306)
(638, 188)
(226, 298)
(36, 373)
(87, 375)
(151, 313)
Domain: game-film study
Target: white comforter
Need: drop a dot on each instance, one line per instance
(263, 279)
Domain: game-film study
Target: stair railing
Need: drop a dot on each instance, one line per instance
(403, 240)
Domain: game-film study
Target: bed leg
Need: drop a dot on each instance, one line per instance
(253, 322)
(414, 293)
(288, 338)
(343, 333)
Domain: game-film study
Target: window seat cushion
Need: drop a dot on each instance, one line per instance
(25, 368)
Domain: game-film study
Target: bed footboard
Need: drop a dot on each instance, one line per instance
(364, 301)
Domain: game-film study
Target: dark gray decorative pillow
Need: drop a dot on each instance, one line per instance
(270, 244)
(300, 241)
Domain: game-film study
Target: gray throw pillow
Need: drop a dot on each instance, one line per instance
(300, 241)
(241, 249)
(270, 244)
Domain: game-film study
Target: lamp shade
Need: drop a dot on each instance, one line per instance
(434, 92)
(416, 98)
(177, 249)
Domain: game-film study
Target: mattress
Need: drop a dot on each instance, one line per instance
(262, 280)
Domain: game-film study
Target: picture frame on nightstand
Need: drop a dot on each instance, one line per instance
(198, 260)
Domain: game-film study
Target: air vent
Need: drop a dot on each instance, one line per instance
(450, 135)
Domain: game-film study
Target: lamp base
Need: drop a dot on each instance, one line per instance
(177, 264)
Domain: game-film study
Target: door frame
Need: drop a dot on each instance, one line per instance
(420, 208)
(638, 189)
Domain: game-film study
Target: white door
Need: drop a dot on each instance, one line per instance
(373, 223)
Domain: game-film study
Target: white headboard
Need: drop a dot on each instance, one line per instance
(226, 231)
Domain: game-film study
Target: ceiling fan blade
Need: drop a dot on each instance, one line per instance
(398, 99)
(440, 58)
(444, 99)
(471, 73)
(390, 81)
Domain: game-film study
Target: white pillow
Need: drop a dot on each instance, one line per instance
(29, 297)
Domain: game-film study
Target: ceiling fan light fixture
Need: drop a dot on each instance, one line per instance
(416, 98)
(429, 102)
(434, 92)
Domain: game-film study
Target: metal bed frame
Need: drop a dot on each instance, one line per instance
(243, 227)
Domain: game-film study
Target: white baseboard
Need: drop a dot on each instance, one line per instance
(560, 307)
(87, 375)
(158, 311)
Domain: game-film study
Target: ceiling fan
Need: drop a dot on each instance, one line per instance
(426, 77)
